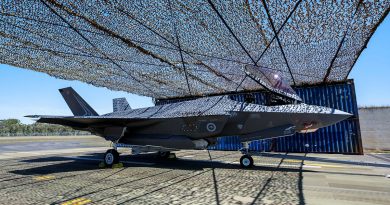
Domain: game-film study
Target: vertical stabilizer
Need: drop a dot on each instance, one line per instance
(120, 104)
(77, 105)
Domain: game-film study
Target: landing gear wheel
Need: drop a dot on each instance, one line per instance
(111, 157)
(246, 161)
(164, 155)
(172, 156)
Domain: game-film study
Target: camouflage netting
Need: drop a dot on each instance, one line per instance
(175, 48)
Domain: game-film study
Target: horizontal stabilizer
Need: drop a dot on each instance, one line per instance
(120, 104)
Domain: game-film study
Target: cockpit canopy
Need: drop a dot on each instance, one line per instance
(272, 80)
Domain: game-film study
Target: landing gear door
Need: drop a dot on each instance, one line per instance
(114, 133)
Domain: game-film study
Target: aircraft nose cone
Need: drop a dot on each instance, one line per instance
(339, 112)
(341, 115)
(335, 117)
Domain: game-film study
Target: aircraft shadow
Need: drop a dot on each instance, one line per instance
(271, 182)
(91, 161)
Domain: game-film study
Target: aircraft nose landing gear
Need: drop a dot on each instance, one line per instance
(246, 161)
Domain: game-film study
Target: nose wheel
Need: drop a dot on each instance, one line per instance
(111, 157)
(246, 161)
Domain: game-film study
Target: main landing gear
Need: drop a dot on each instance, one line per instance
(246, 161)
(166, 155)
(111, 157)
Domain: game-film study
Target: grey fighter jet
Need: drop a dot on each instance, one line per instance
(195, 124)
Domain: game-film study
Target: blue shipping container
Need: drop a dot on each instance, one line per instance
(343, 137)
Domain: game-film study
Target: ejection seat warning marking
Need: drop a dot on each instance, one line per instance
(44, 177)
(77, 201)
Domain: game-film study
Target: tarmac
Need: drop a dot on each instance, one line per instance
(64, 170)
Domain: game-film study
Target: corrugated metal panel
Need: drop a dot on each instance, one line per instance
(343, 137)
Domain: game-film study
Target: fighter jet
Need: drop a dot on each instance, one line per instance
(196, 124)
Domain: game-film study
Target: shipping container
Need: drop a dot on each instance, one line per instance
(343, 137)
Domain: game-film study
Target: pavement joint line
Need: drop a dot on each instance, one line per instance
(125, 183)
(379, 157)
(169, 184)
(345, 189)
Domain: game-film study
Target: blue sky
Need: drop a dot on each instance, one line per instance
(372, 70)
(24, 92)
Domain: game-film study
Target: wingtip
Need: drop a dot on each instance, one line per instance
(33, 116)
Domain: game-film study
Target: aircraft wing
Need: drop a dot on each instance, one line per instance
(83, 122)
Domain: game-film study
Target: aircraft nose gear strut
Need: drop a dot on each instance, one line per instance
(246, 161)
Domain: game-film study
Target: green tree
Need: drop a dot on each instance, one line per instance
(10, 122)
(13, 127)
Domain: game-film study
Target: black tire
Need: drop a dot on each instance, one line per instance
(164, 155)
(172, 156)
(246, 161)
(111, 157)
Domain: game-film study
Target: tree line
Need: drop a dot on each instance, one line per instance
(13, 127)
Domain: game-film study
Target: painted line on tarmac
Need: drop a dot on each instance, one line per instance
(325, 165)
(285, 165)
(44, 177)
(77, 201)
(380, 157)
(99, 160)
(292, 160)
